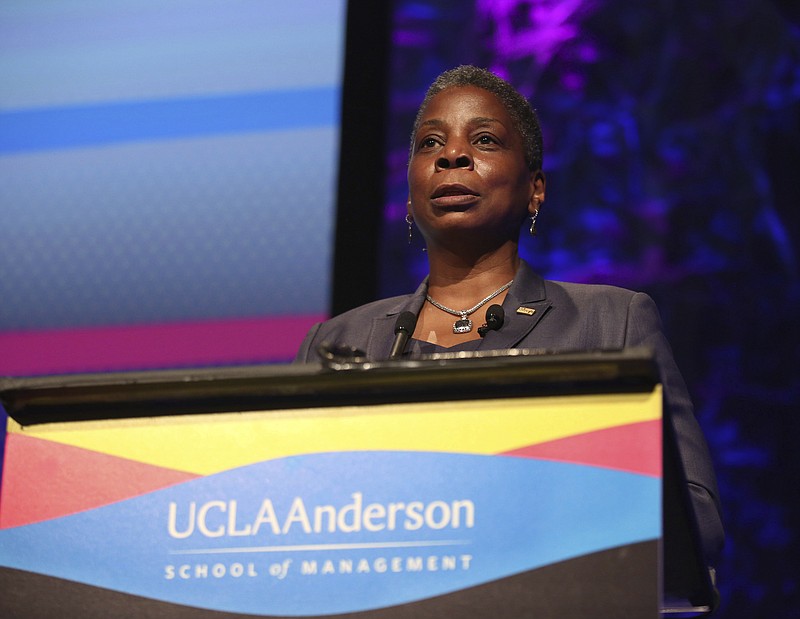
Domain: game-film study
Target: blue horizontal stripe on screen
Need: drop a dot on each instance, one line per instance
(94, 125)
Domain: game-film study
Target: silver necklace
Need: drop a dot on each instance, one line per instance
(464, 324)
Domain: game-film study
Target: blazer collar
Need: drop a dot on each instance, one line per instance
(524, 306)
(382, 334)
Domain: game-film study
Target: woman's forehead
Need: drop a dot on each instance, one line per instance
(469, 101)
(470, 107)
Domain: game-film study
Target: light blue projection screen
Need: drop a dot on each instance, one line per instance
(166, 163)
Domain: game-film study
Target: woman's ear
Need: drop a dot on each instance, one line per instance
(538, 183)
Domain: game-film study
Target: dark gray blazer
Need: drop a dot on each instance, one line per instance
(567, 318)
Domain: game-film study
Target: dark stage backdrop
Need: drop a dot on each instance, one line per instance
(672, 148)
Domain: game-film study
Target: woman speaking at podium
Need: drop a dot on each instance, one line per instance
(475, 179)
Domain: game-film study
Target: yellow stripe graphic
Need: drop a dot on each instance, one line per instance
(205, 444)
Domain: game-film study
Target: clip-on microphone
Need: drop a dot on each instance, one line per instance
(494, 320)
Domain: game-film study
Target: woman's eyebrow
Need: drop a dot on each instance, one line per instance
(432, 122)
(485, 120)
(477, 120)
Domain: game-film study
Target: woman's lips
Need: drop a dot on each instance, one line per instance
(455, 200)
(453, 196)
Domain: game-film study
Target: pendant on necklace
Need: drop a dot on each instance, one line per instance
(462, 325)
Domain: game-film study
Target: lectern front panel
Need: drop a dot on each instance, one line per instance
(546, 506)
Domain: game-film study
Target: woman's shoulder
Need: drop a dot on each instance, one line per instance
(367, 312)
(600, 299)
(589, 291)
(353, 327)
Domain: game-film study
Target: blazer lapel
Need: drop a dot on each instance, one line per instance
(524, 306)
(381, 336)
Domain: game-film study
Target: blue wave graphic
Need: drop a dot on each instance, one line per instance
(342, 532)
(112, 123)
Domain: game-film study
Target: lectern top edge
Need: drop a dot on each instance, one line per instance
(45, 399)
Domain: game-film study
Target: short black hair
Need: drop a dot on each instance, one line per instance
(526, 122)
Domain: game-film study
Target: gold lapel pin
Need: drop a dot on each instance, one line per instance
(528, 311)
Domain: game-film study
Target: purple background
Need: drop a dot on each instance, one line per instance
(671, 148)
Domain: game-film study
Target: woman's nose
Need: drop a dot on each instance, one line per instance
(454, 157)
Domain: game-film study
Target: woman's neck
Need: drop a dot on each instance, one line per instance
(457, 285)
(463, 280)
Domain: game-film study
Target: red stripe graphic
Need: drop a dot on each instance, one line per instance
(625, 448)
(44, 480)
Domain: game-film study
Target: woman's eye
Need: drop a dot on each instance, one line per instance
(427, 143)
(486, 139)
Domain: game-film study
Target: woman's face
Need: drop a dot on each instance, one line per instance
(467, 170)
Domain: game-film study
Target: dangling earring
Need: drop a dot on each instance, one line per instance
(410, 222)
(533, 222)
